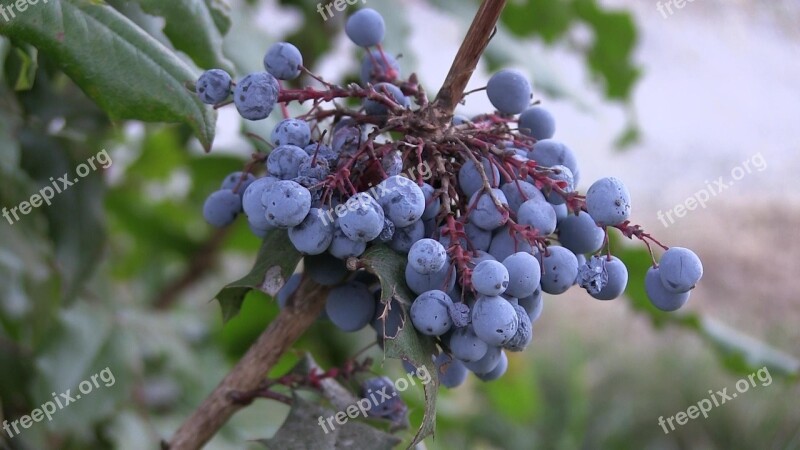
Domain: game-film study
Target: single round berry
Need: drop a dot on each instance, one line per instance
(509, 91)
(430, 313)
(286, 203)
(284, 61)
(537, 123)
(680, 269)
(255, 95)
(490, 278)
(213, 86)
(221, 208)
(524, 274)
(350, 306)
(494, 320)
(427, 256)
(608, 201)
(313, 235)
(365, 28)
(560, 268)
(291, 132)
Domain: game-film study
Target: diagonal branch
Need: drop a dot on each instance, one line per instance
(478, 37)
(299, 314)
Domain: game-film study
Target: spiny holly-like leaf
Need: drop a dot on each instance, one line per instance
(276, 261)
(408, 344)
(739, 353)
(191, 28)
(126, 71)
(302, 430)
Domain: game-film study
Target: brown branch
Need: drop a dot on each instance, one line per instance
(300, 313)
(202, 261)
(478, 37)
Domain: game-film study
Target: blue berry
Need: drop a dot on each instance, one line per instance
(466, 345)
(325, 269)
(364, 218)
(490, 278)
(539, 215)
(251, 202)
(469, 178)
(427, 256)
(549, 153)
(404, 238)
(221, 208)
(509, 91)
(580, 233)
(680, 269)
(524, 274)
(499, 369)
(658, 294)
(343, 247)
(617, 279)
(291, 132)
(238, 181)
(430, 313)
(494, 320)
(537, 123)
(452, 372)
(286, 203)
(284, 161)
(608, 201)
(255, 95)
(402, 200)
(283, 60)
(313, 235)
(560, 268)
(365, 28)
(213, 86)
(350, 306)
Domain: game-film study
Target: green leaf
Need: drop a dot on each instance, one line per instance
(84, 342)
(301, 430)
(75, 216)
(408, 345)
(221, 13)
(192, 29)
(546, 18)
(610, 55)
(277, 259)
(122, 68)
(26, 59)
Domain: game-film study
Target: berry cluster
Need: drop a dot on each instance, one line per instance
(484, 207)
